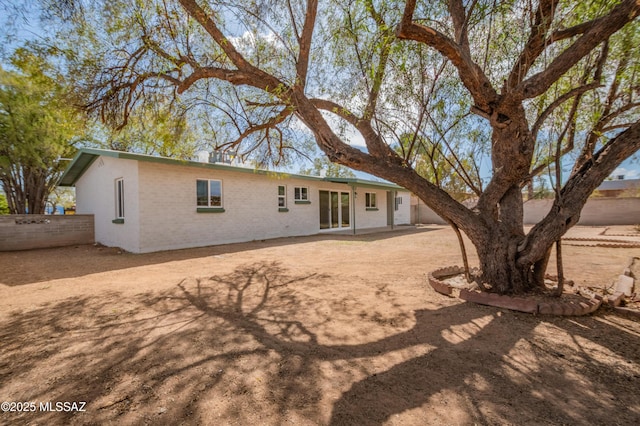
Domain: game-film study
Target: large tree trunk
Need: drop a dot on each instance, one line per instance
(511, 262)
(501, 271)
(27, 190)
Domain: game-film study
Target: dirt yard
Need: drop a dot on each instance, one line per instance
(339, 330)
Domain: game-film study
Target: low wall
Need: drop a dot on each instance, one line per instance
(421, 213)
(597, 212)
(24, 232)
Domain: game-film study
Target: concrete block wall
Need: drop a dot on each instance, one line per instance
(96, 195)
(596, 212)
(24, 232)
(403, 214)
(161, 211)
(421, 213)
(169, 217)
(371, 218)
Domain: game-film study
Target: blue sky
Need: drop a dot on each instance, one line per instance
(28, 28)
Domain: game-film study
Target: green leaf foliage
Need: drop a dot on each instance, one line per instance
(323, 167)
(4, 206)
(39, 128)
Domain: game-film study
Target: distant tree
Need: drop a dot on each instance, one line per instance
(4, 207)
(437, 161)
(39, 127)
(63, 197)
(159, 128)
(542, 190)
(323, 167)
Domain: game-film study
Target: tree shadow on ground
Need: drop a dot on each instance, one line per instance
(31, 266)
(254, 347)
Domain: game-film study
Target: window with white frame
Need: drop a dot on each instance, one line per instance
(119, 198)
(282, 197)
(370, 200)
(398, 201)
(209, 193)
(301, 193)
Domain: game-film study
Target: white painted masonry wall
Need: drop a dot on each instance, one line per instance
(378, 218)
(96, 195)
(169, 212)
(403, 214)
(371, 218)
(161, 209)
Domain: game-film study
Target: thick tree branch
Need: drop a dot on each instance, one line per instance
(536, 43)
(375, 144)
(336, 109)
(601, 29)
(460, 21)
(209, 25)
(566, 33)
(302, 64)
(576, 191)
(237, 78)
(269, 124)
(395, 170)
(387, 40)
(470, 73)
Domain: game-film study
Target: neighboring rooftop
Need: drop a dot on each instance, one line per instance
(619, 184)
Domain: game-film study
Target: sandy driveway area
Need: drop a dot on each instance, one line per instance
(328, 329)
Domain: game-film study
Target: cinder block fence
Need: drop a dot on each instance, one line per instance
(24, 232)
(596, 212)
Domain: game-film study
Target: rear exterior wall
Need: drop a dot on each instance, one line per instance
(161, 211)
(96, 195)
(170, 219)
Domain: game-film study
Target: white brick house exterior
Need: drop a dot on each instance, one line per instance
(159, 199)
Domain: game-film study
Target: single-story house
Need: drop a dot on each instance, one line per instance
(619, 187)
(143, 203)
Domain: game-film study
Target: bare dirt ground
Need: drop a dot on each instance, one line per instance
(340, 330)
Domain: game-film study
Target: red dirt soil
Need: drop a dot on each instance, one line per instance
(327, 329)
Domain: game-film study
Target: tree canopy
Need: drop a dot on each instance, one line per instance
(323, 167)
(155, 129)
(39, 128)
(522, 86)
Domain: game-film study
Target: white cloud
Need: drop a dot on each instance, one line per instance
(246, 43)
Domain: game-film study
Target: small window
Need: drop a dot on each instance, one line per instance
(209, 193)
(120, 198)
(398, 202)
(370, 200)
(282, 197)
(301, 193)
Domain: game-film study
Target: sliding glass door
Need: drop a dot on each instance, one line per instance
(334, 210)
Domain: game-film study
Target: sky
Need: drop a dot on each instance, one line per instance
(28, 27)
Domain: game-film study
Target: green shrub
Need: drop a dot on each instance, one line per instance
(4, 207)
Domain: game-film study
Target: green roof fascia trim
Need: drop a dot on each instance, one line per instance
(366, 183)
(78, 166)
(86, 156)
